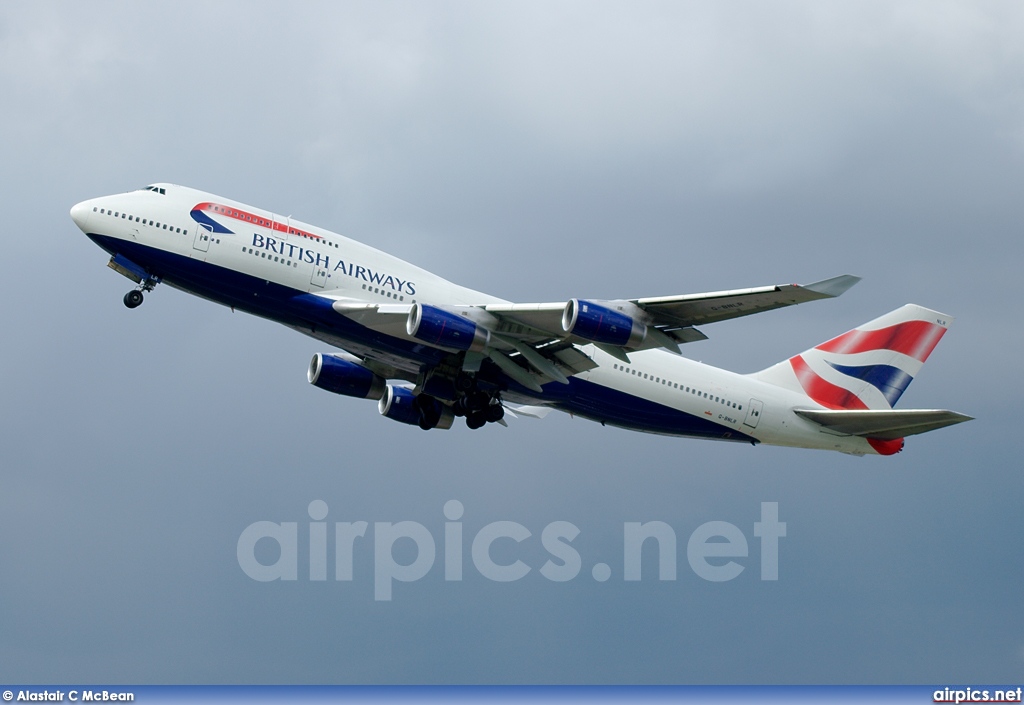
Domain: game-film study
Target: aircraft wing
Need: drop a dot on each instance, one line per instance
(530, 343)
(696, 309)
(676, 316)
(884, 424)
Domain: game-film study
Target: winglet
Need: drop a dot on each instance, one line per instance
(833, 287)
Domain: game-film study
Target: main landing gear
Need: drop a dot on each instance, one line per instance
(479, 408)
(430, 411)
(451, 391)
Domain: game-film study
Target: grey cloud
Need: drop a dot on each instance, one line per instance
(537, 151)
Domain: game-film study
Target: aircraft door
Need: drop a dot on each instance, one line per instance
(753, 413)
(202, 241)
(319, 277)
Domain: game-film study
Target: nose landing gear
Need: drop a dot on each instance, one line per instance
(138, 274)
(133, 298)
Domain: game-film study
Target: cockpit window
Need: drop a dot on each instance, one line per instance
(156, 189)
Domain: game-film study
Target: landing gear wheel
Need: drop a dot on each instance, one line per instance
(133, 299)
(475, 420)
(463, 383)
(429, 418)
(495, 412)
(477, 401)
(430, 414)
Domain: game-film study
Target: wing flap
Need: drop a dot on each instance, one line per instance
(883, 424)
(575, 360)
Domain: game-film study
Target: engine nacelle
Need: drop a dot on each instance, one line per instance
(400, 404)
(609, 322)
(446, 329)
(338, 375)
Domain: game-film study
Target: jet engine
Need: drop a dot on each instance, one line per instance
(401, 404)
(609, 322)
(446, 329)
(336, 374)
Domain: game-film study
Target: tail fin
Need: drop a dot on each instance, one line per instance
(867, 368)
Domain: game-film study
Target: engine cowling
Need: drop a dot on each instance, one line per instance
(402, 405)
(446, 329)
(609, 322)
(341, 376)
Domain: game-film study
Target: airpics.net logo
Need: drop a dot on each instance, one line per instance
(713, 550)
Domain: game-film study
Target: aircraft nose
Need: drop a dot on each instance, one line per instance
(80, 214)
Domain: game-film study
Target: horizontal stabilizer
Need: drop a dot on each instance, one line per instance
(883, 424)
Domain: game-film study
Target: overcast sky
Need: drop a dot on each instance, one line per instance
(538, 151)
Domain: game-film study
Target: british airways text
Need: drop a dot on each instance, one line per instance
(287, 249)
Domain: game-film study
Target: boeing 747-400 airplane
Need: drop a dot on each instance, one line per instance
(430, 351)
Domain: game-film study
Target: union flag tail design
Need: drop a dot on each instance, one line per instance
(867, 368)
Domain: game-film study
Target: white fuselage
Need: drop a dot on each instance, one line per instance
(259, 257)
